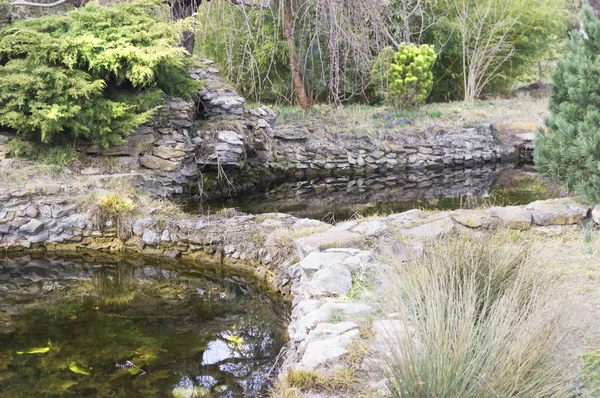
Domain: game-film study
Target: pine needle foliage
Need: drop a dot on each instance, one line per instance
(405, 76)
(97, 72)
(568, 149)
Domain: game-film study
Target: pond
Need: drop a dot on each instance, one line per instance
(340, 198)
(134, 327)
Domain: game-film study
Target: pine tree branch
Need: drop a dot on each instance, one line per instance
(34, 4)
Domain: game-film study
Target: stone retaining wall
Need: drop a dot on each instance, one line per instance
(319, 274)
(214, 146)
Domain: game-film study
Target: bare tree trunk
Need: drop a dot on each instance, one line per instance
(406, 22)
(182, 9)
(289, 25)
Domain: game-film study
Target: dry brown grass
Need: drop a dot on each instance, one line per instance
(280, 243)
(27, 174)
(511, 116)
(297, 382)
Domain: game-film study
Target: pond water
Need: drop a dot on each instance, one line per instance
(116, 327)
(341, 198)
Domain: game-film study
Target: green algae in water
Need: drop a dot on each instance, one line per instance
(86, 330)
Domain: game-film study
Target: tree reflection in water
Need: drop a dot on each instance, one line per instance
(128, 328)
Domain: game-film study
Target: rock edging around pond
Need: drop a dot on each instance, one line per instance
(216, 147)
(320, 270)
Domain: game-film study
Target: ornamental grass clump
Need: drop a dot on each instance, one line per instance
(478, 321)
(97, 72)
(113, 210)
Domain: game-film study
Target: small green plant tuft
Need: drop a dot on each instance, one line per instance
(20, 149)
(337, 315)
(63, 156)
(362, 285)
(587, 231)
(591, 373)
(115, 210)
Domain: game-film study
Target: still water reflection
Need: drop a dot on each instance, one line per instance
(109, 327)
(340, 198)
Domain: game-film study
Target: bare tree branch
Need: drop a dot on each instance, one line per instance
(248, 3)
(34, 4)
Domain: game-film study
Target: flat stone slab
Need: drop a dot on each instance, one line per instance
(305, 307)
(513, 217)
(326, 330)
(371, 228)
(323, 352)
(315, 261)
(530, 137)
(325, 240)
(474, 218)
(555, 213)
(407, 251)
(332, 281)
(39, 237)
(154, 162)
(433, 229)
(150, 237)
(407, 217)
(325, 313)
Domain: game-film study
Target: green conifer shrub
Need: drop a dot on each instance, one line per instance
(407, 77)
(97, 72)
(568, 148)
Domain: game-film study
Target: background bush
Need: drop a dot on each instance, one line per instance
(406, 77)
(97, 72)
